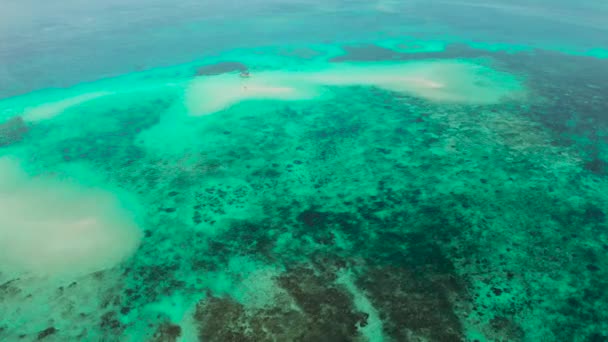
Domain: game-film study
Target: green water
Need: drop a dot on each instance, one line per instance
(379, 190)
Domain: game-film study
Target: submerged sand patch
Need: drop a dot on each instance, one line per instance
(52, 109)
(50, 227)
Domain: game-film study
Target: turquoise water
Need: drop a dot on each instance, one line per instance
(304, 171)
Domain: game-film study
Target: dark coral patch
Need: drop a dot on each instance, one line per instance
(506, 329)
(312, 218)
(365, 53)
(596, 165)
(414, 305)
(46, 333)
(326, 313)
(12, 131)
(221, 68)
(167, 332)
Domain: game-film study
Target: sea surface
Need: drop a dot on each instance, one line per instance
(303, 170)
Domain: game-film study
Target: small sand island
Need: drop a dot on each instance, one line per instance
(440, 81)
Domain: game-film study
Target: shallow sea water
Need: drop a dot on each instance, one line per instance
(304, 171)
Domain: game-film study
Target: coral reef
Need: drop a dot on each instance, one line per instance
(370, 214)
